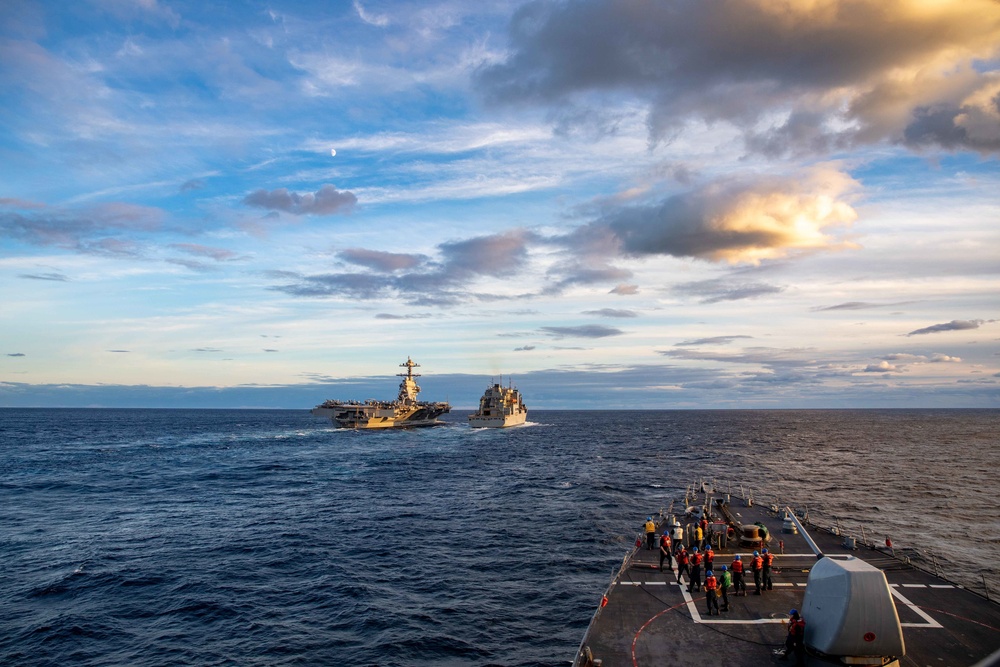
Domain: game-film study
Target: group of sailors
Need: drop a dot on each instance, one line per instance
(701, 555)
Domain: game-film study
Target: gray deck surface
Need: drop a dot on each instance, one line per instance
(650, 620)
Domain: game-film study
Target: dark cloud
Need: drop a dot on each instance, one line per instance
(206, 349)
(496, 255)
(218, 254)
(714, 291)
(325, 201)
(954, 325)
(714, 340)
(526, 348)
(736, 220)
(269, 350)
(943, 125)
(837, 73)
(120, 351)
(393, 316)
(583, 331)
(16, 354)
(881, 367)
(850, 305)
(193, 184)
(624, 290)
(385, 262)
(611, 312)
(444, 283)
(56, 277)
(83, 230)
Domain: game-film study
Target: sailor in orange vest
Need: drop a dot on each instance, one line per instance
(757, 566)
(738, 583)
(768, 560)
(682, 563)
(709, 559)
(795, 642)
(665, 551)
(695, 571)
(711, 597)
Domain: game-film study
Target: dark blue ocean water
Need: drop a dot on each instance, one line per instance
(166, 537)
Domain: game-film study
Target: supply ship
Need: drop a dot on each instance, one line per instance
(863, 602)
(405, 412)
(499, 407)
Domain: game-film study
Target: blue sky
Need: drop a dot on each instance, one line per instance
(680, 204)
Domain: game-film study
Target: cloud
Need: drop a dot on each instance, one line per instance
(737, 220)
(447, 282)
(858, 305)
(938, 358)
(526, 348)
(799, 77)
(393, 316)
(16, 354)
(611, 312)
(56, 277)
(714, 340)
(377, 260)
(624, 290)
(583, 331)
(85, 230)
(496, 255)
(120, 351)
(193, 184)
(325, 201)
(218, 254)
(881, 367)
(377, 20)
(954, 325)
(717, 290)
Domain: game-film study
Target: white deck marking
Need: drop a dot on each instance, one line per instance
(940, 585)
(696, 615)
(914, 586)
(931, 623)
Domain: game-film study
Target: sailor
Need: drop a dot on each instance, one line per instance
(704, 531)
(695, 571)
(682, 563)
(738, 583)
(709, 559)
(888, 545)
(711, 596)
(768, 558)
(665, 551)
(678, 535)
(698, 535)
(725, 581)
(650, 533)
(757, 566)
(795, 642)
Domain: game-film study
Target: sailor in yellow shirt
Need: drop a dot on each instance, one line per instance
(650, 533)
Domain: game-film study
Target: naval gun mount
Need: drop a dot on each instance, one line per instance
(850, 615)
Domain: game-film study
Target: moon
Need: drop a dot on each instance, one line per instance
(333, 152)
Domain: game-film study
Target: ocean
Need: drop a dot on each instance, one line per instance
(245, 537)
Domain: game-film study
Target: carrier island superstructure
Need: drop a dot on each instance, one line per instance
(405, 412)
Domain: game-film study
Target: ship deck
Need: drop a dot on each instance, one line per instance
(651, 620)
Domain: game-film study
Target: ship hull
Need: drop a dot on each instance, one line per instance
(364, 417)
(505, 421)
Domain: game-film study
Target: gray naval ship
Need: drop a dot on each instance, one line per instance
(500, 407)
(862, 603)
(405, 412)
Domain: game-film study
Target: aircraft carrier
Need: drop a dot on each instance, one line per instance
(864, 602)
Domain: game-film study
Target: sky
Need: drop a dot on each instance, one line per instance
(619, 204)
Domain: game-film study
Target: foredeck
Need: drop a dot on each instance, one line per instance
(651, 620)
